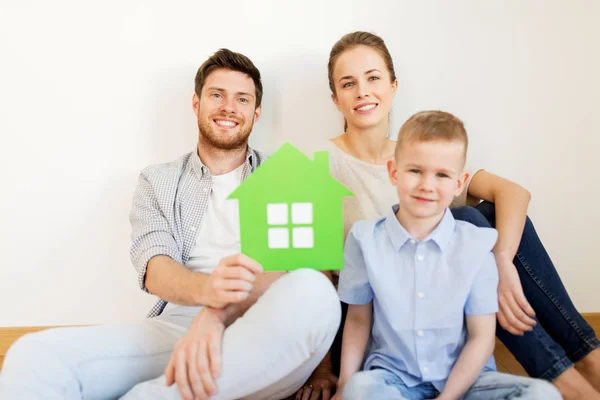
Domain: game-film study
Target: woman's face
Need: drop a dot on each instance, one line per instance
(363, 89)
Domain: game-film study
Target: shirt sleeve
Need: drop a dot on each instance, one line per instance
(483, 298)
(150, 233)
(354, 286)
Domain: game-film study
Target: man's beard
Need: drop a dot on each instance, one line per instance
(209, 136)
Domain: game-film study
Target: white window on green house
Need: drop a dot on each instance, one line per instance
(279, 225)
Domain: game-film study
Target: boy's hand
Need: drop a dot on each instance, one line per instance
(515, 314)
(231, 281)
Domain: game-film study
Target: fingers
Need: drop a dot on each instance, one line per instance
(519, 313)
(506, 323)
(525, 306)
(206, 377)
(326, 395)
(233, 285)
(307, 392)
(170, 371)
(316, 393)
(194, 376)
(242, 261)
(214, 355)
(181, 377)
(299, 394)
(514, 315)
(238, 273)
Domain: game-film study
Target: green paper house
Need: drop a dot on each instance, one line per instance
(291, 213)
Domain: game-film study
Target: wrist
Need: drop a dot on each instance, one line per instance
(219, 314)
(504, 259)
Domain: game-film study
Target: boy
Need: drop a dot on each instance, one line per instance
(428, 283)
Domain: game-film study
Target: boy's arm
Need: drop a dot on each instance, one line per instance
(478, 349)
(356, 336)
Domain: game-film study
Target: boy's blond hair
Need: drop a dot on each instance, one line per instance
(428, 126)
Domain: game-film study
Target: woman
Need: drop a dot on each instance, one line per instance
(537, 320)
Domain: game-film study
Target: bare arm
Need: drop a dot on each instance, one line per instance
(356, 336)
(173, 282)
(511, 201)
(477, 350)
(233, 281)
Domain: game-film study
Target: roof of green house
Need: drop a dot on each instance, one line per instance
(290, 170)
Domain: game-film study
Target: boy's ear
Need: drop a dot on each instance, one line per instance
(392, 171)
(461, 183)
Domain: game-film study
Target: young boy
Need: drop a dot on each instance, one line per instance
(423, 285)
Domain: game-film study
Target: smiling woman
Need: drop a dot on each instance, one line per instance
(531, 294)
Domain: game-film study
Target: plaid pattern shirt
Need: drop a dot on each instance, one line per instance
(168, 206)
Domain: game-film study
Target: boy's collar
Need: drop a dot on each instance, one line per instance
(441, 235)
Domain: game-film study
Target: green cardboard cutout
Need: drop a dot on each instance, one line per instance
(291, 213)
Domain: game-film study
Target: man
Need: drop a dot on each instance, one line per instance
(185, 249)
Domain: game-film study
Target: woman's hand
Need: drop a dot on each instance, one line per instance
(515, 314)
(320, 385)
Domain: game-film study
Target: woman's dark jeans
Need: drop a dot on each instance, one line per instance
(561, 336)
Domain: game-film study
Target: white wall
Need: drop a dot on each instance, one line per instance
(91, 92)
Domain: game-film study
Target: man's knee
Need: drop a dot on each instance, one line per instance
(312, 298)
(28, 358)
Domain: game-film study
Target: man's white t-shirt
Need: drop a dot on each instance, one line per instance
(219, 233)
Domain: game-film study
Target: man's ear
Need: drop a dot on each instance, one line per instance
(461, 183)
(257, 113)
(392, 171)
(195, 104)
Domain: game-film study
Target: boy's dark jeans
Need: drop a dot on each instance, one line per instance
(561, 336)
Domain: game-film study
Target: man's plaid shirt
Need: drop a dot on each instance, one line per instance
(168, 206)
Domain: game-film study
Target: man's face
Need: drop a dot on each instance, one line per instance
(427, 176)
(226, 109)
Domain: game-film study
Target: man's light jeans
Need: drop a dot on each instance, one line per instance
(267, 354)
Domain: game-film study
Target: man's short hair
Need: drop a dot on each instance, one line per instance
(227, 59)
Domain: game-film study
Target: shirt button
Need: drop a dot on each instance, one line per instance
(420, 333)
(425, 369)
(412, 241)
(421, 295)
(420, 257)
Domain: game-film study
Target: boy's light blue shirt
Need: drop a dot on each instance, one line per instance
(421, 292)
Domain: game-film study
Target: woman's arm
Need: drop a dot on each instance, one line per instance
(472, 359)
(511, 202)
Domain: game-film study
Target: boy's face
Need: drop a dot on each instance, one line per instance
(427, 176)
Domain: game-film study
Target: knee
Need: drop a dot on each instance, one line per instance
(314, 294)
(358, 387)
(27, 358)
(540, 389)
(471, 215)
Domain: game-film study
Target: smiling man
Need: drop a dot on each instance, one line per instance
(186, 251)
